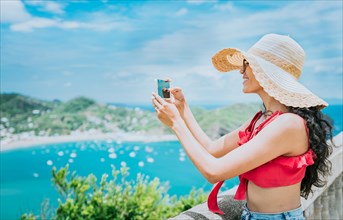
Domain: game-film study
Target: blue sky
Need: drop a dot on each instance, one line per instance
(113, 50)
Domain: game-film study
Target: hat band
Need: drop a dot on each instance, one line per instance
(283, 64)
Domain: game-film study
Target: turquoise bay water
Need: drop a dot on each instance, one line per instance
(26, 173)
(335, 112)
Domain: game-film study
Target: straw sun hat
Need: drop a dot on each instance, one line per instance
(276, 61)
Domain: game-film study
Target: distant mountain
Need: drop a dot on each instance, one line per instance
(25, 114)
(13, 104)
(76, 105)
(22, 114)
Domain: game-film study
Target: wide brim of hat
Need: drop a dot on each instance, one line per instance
(275, 81)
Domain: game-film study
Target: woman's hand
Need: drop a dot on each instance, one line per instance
(179, 99)
(167, 112)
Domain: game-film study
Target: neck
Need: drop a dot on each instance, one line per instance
(271, 104)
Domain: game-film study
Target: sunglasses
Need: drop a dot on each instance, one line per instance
(245, 64)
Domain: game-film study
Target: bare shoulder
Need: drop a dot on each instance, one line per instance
(293, 129)
(291, 122)
(287, 125)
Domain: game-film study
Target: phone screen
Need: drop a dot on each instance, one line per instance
(162, 85)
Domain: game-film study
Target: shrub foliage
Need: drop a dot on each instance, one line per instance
(114, 198)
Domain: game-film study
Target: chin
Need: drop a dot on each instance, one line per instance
(246, 90)
(251, 89)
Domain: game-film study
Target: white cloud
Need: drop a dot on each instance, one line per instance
(13, 11)
(224, 7)
(67, 73)
(326, 65)
(54, 7)
(37, 22)
(48, 6)
(198, 2)
(30, 24)
(181, 12)
(185, 47)
(106, 26)
(34, 2)
(68, 84)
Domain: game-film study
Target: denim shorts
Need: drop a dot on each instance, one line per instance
(295, 214)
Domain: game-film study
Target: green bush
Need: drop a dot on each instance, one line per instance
(114, 198)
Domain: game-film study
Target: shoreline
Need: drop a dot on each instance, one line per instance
(6, 145)
(28, 142)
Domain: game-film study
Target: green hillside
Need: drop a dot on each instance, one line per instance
(21, 114)
(220, 121)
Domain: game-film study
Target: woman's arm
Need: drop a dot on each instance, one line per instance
(195, 128)
(217, 148)
(285, 135)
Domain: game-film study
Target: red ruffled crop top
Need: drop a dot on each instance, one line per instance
(281, 171)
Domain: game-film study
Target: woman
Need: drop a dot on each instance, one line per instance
(278, 154)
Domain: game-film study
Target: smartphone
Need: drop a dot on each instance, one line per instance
(162, 88)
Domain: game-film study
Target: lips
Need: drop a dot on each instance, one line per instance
(245, 79)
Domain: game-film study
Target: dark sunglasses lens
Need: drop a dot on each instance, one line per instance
(245, 64)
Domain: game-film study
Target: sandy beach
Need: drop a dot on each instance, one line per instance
(117, 137)
(121, 137)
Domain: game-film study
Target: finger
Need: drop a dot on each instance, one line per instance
(175, 89)
(169, 100)
(158, 98)
(153, 101)
(153, 104)
(156, 103)
(170, 94)
(168, 80)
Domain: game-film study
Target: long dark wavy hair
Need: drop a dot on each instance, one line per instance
(320, 137)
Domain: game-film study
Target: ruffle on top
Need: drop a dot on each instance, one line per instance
(300, 161)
